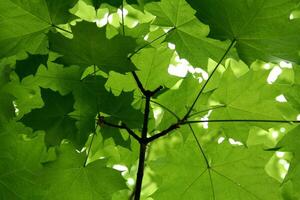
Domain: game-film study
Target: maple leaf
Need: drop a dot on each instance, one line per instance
(53, 117)
(23, 24)
(91, 39)
(149, 99)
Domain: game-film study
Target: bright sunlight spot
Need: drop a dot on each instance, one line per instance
(284, 64)
(281, 98)
(125, 12)
(205, 118)
(130, 181)
(298, 117)
(103, 21)
(171, 46)
(183, 67)
(234, 142)
(157, 112)
(120, 168)
(284, 163)
(220, 140)
(280, 154)
(275, 134)
(267, 66)
(275, 72)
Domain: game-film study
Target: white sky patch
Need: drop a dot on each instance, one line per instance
(146, 37)
(179, 70)
(202, 72)
(284, 64)
(220, 140)
(275, 134)
(103, 21)
(125, 12)
(110, 18)
(286, 167)
(234, 142)
(280, 154)
(171, 46)
(267, 66)
(183, 67)
(205, 118)
(284, 163)
(130, 181)
(281, 98)
(274, 74)
(291, 17)
(298, 117)
(157, 112)
(120, 168)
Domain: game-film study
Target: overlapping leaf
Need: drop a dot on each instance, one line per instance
(263, 29)
(188, 33)
(90, 46)
(68, 178)
(233, 173)
(23, 24)
(53, 117)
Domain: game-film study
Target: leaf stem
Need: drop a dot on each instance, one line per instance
(200, 147)
(167, 109)
(206, 110)
(241, 121)
(90, 147)
(123, 21)
(146, 45)
(177, 125)
(55, 26)
(209, 78)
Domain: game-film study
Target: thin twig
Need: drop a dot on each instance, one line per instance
(163, 133)
(138, 82)
(122, 126)
(123, 23)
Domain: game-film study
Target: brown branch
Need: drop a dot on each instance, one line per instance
(102, 122)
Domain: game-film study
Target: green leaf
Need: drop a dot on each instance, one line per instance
(153, 63)
(7, 110)
(59, 10)
(19, 163)
(53, 118)
(234, 173)
(247, 97)
(189, 34)
(290, 143)
(30, 65)
(94, 181)
(90, 46)
(179, 99)
(23, 24)
(263, 29)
